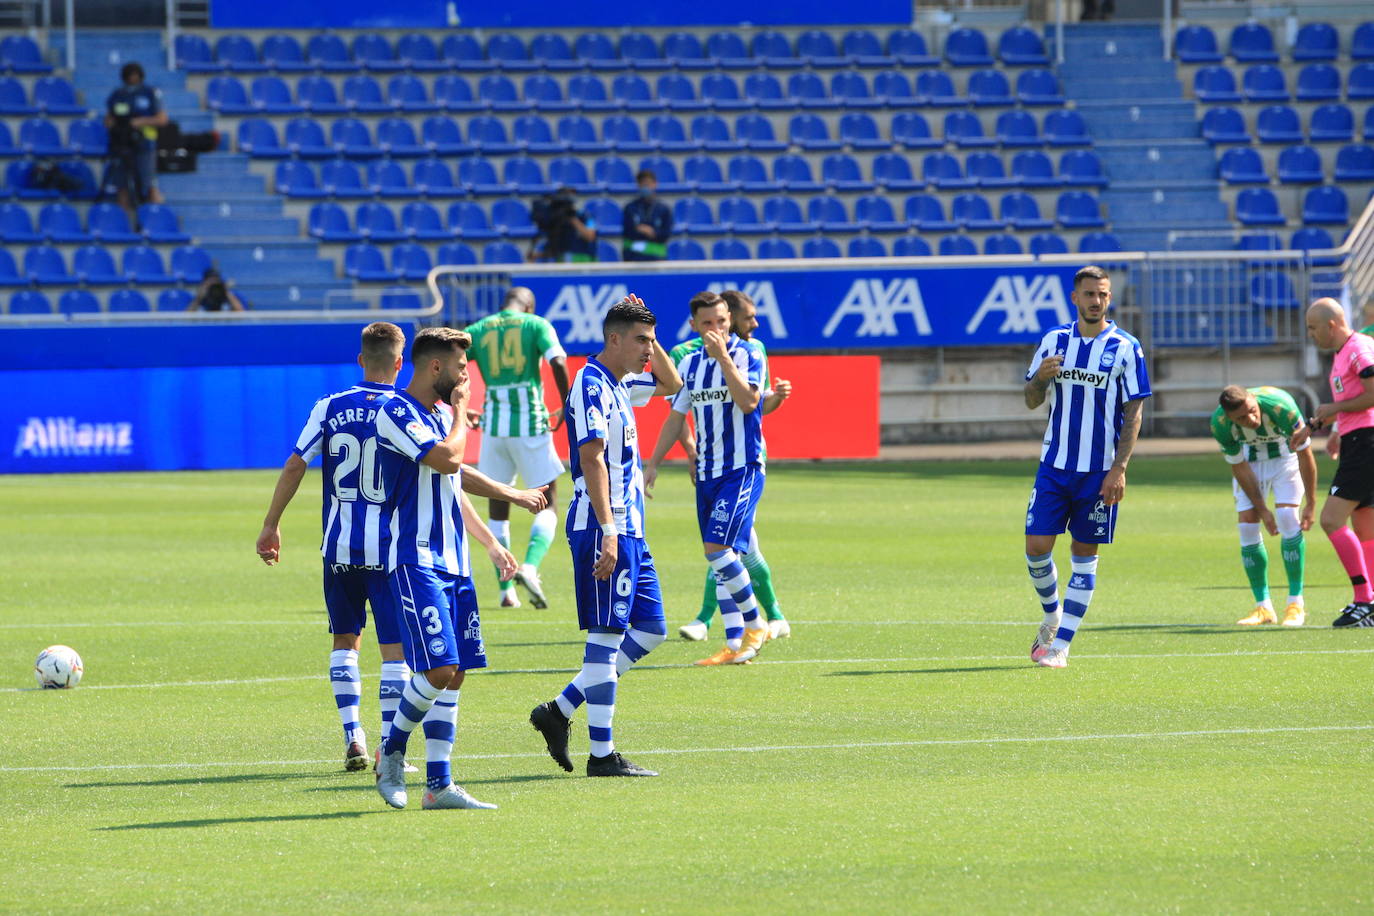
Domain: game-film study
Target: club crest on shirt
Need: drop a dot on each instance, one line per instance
(399, 410)
(419, 431)
(1108, 360)
(1336, 385)
(436, 645)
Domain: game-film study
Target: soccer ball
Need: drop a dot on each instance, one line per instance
(58, 667)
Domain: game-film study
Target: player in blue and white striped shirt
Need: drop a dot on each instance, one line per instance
(427, 561)
(618, 599)
(339, 430)
(722, 386)
(1094, 376)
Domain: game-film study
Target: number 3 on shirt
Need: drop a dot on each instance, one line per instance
(432, 624)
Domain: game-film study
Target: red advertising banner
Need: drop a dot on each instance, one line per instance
(832, 413)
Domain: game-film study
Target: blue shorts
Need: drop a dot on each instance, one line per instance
(347, 592)
(726, 506)
(1072, 500)
(440, 624)
(629, 596)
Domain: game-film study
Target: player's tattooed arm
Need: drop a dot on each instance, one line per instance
(1114, 484)
(1040, 382)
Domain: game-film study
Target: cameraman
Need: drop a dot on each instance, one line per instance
(567, 234)
(214, 295)
(648, 222)
(133, 113)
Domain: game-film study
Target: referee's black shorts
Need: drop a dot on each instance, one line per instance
(1354, 478)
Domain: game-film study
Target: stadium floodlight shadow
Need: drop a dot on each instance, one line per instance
(259, 819)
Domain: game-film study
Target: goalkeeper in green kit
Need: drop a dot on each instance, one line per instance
(517, 428)
(1255, 428)
(743, 321)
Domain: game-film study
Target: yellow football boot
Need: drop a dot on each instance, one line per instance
(1295, 615)
(1259, 615)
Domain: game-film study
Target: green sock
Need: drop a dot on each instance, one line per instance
(504, 540)
(762, 578)
(539, 545)
(708, 598)
(1294, 561)
(1256, 562)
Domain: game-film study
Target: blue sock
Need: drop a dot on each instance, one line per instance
(638, 642)
(389, 690)
(347, 683)
(1044, 577)
(733, 580)
(595, 684)
(1077, 596)
(419, 695)
(441, 727)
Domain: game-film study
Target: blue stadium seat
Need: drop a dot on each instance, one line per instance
(954, 246)
(1048, 243)
(1325, 204)
(341, 179)
(685, 250)
(710, 132)
(1300, 164)
(910, 50)
(351, 138)
(748, 173)
(9, 271)
(1369, 123)
(820, 247)
(1265, 83)
(1360, 82)
(784, 214)
(93, 266)
(455, 253)
(1224, 125)
(396, 138)
(1020, 211)
(488, 134)
(965, 129)
(1099, 242)
(632, 92)
(1319, 83)
(588, 93)
(575, 132)
(605, 251)
(193, 54)
(109, 222)
(508, 52)
(665, 171)
(189, 263)
(142, 264)
(794, 174)
(499, 92)
(55, 95)
(1078, 210)
(7, 147)
(282, 53)
(77, 301)
(606, 214)
(859, 131)
(728, 51)
(936, 87)
(411, 261)
(454, 93)
(1215, 84)
(519, 175)
(927, 213)
(16, 225)
(861, 48)
(693, 216)
(943, 171)
(1197, 44)
(1260, 241)
(1332, 123)
(128, 300)
(807, 91)
(911, 131)
(258, 138)
(866, 246)
(665, 132)
(684, 51)
(432, 178)
(570, 172)
(1038, 87)
(1242, 165)
(999, 243)
(719, 91)
(892, 172)
(318, 96)
(676, 92)
(910, 246)
(841, 172)
(1021, 47)
(989, 87)
(224, 94)
(1316, 41)
(810, 133)
(39, 137)
(364, 95)
(399, 297)
(818, 49)
(366, 263)
(1258, 207)
(544, 93)
(440, 136)
(830, 213)
(987, 170)
(613, 175)
(850, 90)
(739, 215)
(405, 92)
(1082, 167)
(174, 300)
(730, 250)
(765, 92)
(622, 133)
(1355, 163)
(28, 302)
(702, 173)
(467, 220)
(967, 48)
(639, 50)
(1362, 42)
(1017, 128)
(1065, 127)
(270, 95)
(419, 220)
(387, 179)
(462, 52)
(972, 211)
(775, 249)
(238, 54)
(59, 222)
(874, 213)
(551, 51)
(329, 222)
(1272, 289)
(773, 49)
(1252, 42)
(893, 88)
(755, 132)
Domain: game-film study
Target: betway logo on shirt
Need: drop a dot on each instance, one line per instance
(53, 437)
(1085, 377)
(711, 396)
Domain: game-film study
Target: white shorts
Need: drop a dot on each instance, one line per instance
(533, 457)
(1278, 476)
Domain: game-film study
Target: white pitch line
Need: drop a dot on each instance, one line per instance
(752, 749)
(498, 622)
(926, 659)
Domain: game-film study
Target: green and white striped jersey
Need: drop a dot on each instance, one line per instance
(507, 348)
(1279, 419)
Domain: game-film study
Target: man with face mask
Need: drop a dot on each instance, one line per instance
(648, 222)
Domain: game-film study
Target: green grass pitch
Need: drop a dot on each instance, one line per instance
(898, 754)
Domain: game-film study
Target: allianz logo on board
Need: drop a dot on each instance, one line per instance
(62, 437)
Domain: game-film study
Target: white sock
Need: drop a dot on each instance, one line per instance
(347, 683)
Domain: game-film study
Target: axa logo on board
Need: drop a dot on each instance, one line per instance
(63, 437)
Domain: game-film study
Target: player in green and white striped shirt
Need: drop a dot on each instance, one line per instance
(517, 429)
(1254, 428)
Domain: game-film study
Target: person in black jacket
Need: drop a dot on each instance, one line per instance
(648, 222)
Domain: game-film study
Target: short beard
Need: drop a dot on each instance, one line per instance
(444, 389)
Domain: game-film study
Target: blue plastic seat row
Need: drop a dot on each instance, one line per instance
(40, 137)
(84, 301)
(17, 182)
(1017, 46)
(105, 222)
(1253, 42)
(1266, 83)
(1333, 123)
(52, 95)
(1299, 164)
(94, 265)
(21, 54)
(1325, 204)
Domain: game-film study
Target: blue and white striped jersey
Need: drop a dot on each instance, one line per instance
(426, 523)
(600, 407)
(341, 431)
(1099, 375)
(728, 439)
